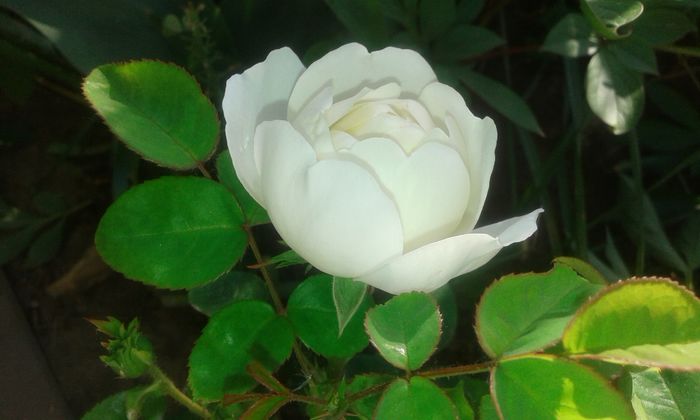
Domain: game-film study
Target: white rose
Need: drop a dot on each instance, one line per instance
(368, 166)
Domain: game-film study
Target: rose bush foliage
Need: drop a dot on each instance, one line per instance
(368, 166)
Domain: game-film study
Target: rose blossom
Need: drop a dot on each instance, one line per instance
(368, 166)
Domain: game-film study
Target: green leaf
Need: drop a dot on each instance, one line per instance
(173, 232)
(348, 296)
(265, 378)
(364, 407)
(464, 409)
(48, 203)
(253, 213)
(363, 18)
(312, 312)
(545, 387)
(157, 109)
(522, 313)
(469, 10)
(231, 287)
(141, 402)
(287, 259)
(436, 17)
(634, 55)
(447, 305)
(417, 399)
(650, 396)
(405, 330)
(614, 92)
(642, 223)
(572, 36)
(46, 245)
(487, 409)
(650, 322)
(464, 41)
(584, 269)
(615, 259)
(674, 105)
(501, 98)
(238, 334)
(264, 408)
(91, 33)
(608, 16)
(662, 26)
(689, 243)
(14, 243)
(685, 388)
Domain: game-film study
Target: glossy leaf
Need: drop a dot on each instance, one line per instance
(173, 232)
(634, 55)
(546, 387)
(157, 109)
(614, 92)
(436, 16)
(91, 33)
(650, 396)
(405, 330)
(417, 399)
(464, 409)
(608, 16)
(231, 287)
(253, 213)
(584, 269)
(487, 409)
(139, 402)
(572, 36)
(365, 407)
(464, 41)
(521, 313)
(447, 305)
(662, 26)
(312, 312)
(652, 322)
(685, 388)
(238, 334)
(501, 98)
(348, 296)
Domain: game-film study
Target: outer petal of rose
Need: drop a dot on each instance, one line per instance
(352, 67)
(259, 94)
(333, 213)
(431, 266)
(476, 139)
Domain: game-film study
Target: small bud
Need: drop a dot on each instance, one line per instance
(129, 353)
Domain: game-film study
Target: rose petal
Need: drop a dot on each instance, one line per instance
(261, 93)
(512, 230)
(351, 67)
(430, 186)
(333, 213)
(431, 266)
(478, 143)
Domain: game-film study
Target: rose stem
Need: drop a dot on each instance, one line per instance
(305, 364)
(457, 370)
(176, 394)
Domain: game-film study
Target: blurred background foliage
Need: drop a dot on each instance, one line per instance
(597, 104)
